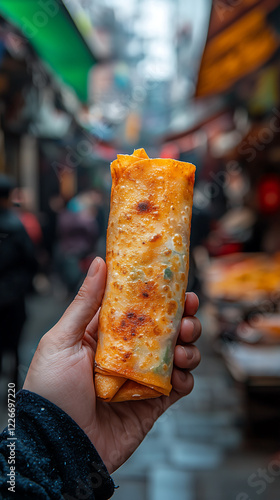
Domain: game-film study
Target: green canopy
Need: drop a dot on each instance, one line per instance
(55, 37)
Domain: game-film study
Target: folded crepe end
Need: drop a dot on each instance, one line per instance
(116, 389)
(106, 386)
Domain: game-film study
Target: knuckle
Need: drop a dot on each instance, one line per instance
(82, 293)
(42, 343)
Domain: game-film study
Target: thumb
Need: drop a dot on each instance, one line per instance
(71, 327)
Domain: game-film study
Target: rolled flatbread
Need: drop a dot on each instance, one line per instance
(147, 272)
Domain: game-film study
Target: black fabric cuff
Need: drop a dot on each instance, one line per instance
(58, 448)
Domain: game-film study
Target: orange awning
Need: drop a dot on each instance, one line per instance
(240, 40)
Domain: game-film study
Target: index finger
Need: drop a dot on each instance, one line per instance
(191, 304)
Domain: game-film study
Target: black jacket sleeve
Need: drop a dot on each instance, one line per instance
(53, 457)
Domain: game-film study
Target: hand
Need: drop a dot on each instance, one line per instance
(62, 372)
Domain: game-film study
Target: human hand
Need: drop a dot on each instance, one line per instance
(62, 372)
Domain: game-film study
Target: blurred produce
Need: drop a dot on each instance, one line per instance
(244, 278)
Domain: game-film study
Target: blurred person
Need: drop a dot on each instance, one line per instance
(17, 269)
(78, 234)
(22, 201)
(102, 204)
(67, 441)
(55, 205)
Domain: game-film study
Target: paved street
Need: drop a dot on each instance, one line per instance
(43, 312)
(196, 451)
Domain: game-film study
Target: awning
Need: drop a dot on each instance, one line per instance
(51, 30)
(240, 41)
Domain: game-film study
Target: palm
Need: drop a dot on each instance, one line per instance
(121, 427)
(115, 429)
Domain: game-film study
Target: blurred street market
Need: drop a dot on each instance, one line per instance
(82, 81)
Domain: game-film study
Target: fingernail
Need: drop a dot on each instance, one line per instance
(182, 349)
(188, 352)
(94, 267)
(190, 324)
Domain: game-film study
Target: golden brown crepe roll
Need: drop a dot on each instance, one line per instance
(147, 260)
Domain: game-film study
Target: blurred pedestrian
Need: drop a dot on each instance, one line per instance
(17, 268)
(22, 200)
(78, 234)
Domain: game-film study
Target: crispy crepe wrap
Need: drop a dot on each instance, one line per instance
(148, 260)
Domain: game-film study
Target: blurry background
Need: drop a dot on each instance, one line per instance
(84, 80)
